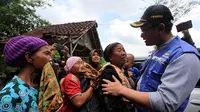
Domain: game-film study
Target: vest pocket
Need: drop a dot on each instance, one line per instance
(154, 78)
(157, 69)
(152, 85)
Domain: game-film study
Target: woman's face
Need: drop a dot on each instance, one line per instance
(41, 57)
(95, 57)
(118, 57)
(77, 67)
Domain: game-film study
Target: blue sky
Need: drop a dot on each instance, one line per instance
(113, 18)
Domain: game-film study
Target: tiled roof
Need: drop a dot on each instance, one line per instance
(53, 33)
(38, 32)
(72, 29)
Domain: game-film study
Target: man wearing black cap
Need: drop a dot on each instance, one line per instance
(169, 74)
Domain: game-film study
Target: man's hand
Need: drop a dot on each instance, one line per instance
(185, 32)
(112, 88)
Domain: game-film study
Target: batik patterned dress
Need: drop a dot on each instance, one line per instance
(50, 97)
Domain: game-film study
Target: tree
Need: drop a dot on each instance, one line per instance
(18, 17)
(6, 72)
(3, 2)
(179, 8)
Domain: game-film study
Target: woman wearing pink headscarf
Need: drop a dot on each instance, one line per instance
(70, 86)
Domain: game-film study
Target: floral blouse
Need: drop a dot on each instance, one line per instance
(17, 96)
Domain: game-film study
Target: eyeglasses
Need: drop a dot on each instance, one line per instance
(149, 27)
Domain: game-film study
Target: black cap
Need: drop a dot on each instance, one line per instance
(154, 14)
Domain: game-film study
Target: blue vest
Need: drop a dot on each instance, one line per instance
(155, 65)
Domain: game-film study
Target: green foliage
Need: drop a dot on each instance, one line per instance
(4, 2)
(102, 61)
(56, 55)
(18, 17)
(5, 70)
(6, 73)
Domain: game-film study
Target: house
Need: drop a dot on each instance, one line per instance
(79, 37)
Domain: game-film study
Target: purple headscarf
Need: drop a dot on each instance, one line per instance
(70, 63)
(16, 47)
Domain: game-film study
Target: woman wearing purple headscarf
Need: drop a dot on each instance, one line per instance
(30, 54)
(74, 98)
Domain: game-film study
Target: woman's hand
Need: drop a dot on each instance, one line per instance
(92, 84)
(112, 88)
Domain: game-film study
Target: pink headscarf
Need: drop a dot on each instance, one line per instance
(70, 63)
